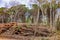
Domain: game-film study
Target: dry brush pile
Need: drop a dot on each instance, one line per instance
(24, 31)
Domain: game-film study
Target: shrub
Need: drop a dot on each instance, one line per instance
(58, 25)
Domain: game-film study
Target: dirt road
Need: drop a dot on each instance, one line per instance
(2, 38)
(7, 39)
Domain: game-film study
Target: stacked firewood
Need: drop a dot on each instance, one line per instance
(6, 26)
(23, 30)
(30, 31)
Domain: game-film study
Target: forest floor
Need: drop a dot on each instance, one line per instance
(19, 31)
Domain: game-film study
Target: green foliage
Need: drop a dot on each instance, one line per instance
(22, 9)
(2, 9)
(35, 6)
(44, 39)
(18, 8)
(28, 20)
(58, 25)
(45, 5)
(40, 1)
(18, 27)
(54, 6)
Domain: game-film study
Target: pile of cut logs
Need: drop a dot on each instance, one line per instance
(23, 30)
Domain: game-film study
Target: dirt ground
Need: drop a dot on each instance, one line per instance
(7, 39)
(36, 38)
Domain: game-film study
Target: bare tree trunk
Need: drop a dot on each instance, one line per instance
(2, 19)
(53, 19)
(36, 23)
(15, 16)
(50, 17)
(46, 15)
(23, 18)
(34, 19)
(11, 18)
(42, 14)
(37, 16)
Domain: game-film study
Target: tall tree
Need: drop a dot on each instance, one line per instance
(19, 12)
(3, 15)
(34, 12)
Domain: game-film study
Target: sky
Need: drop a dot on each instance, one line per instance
(8, 3)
